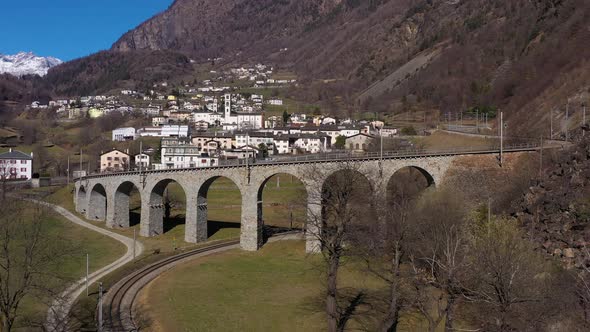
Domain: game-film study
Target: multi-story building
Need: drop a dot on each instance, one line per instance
(281, 144)
(16, 165)
(160, 121)
(114, 161)
(310, 143)
(180, 153)
(124, 134)
(224, 140)
(164, 131)
(142, 161)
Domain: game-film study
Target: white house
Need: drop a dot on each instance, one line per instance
(281, 144)
(388, 131)
(160, 121)
(254, 139)
(16, 165)
(124, 134)
(275, 101)
(142, 161)
(164, 131)
(311, 143)
(328, 120)
(180, 153)
(175, 131)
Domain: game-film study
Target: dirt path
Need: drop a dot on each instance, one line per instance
(59, 310)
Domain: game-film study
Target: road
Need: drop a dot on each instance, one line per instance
(59, 310)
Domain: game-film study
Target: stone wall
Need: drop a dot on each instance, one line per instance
(107, 197)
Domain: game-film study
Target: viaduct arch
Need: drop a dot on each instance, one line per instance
(106, 196)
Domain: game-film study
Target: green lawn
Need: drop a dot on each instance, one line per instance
(275, 289)
(102, 251)
(279, 288)
(443, 140)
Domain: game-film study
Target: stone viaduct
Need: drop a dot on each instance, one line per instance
(106, 196)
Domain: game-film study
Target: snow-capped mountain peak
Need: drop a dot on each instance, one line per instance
(26, 63)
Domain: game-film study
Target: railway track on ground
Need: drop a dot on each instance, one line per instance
(118, 301)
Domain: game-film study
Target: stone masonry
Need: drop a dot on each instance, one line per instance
(106, 196)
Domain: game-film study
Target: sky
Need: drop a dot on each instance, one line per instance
(69, 29)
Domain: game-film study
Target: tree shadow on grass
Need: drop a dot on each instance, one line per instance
(173, 221)
(353, 304)
(214, 226)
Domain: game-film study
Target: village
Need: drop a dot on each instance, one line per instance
(209, 123)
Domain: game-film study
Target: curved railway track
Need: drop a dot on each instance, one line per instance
(118, 302)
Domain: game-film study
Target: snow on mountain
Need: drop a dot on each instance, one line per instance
(25, 63)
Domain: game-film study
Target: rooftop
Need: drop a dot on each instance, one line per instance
(15, 154)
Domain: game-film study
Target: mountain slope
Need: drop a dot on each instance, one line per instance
(206, 28)
(524, 57)
(26, 64)
(105, 71)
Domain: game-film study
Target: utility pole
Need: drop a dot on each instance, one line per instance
(68, 170)
(87, 265)
(247, 146)
(551, 123)
(80, 175)
(501, 136)
(140, 157)
(100, 307)
(477, 120)
(381, 143)
(567, 113)
(584, 121)
(489, 209)
(134, 243)
(541, 159)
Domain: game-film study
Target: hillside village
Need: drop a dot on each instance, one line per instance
(208, 123)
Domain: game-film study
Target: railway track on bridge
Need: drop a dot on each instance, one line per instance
(118, 304)
(336, 157)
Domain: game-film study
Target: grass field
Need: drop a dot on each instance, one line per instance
(278, 288)
(443, 140)
(102, 251)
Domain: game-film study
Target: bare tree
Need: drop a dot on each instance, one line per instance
(583, 291)
(439, 257)
(386, 243)
(28, 259)
(6, 173)
(509, 281)
(344, 200)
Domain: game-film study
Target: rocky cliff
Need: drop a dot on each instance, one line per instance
(556, 209)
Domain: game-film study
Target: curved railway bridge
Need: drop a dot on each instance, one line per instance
(106, 196)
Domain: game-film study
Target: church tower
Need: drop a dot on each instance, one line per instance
(227, 107)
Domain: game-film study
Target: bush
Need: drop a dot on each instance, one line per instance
(409, 131)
